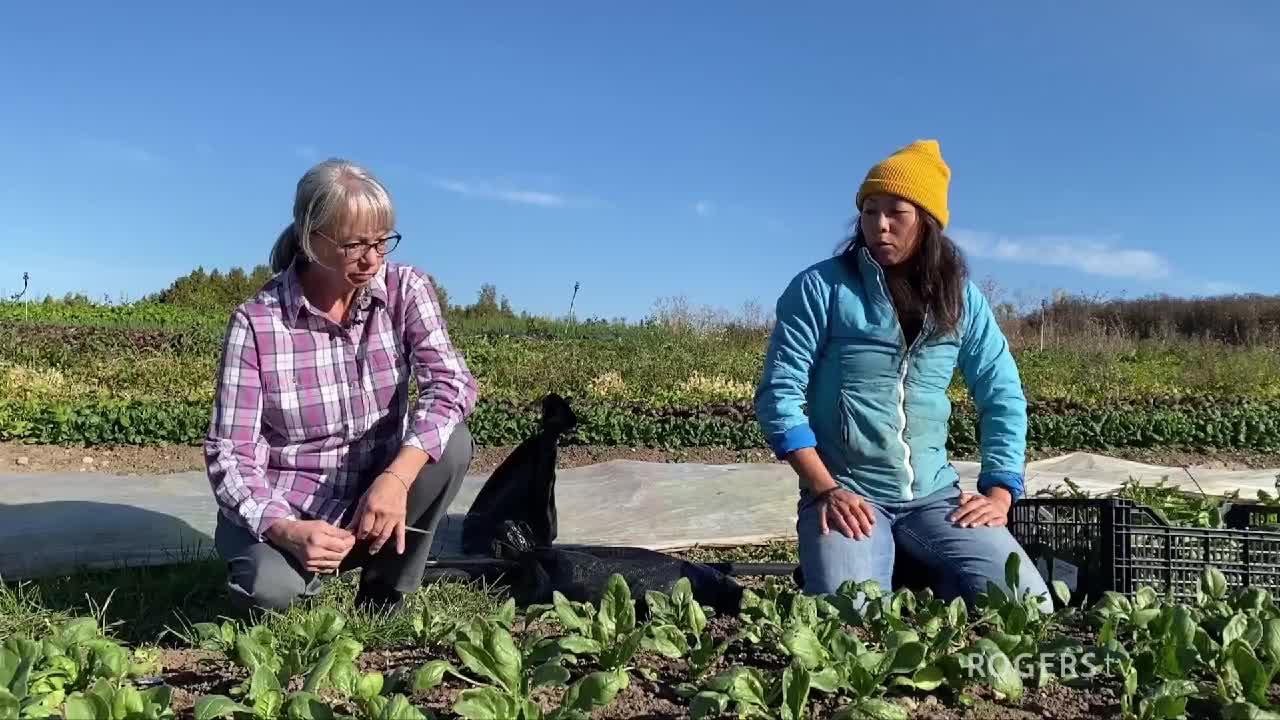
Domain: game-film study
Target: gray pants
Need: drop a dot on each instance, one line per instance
(262, 576)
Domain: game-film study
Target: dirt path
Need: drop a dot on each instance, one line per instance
(126, 460)
(19, 458)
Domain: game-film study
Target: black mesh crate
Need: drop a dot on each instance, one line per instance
(1120, 545)
(1068, 540)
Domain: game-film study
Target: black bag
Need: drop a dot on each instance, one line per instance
(581, 573)
(522, 488)
(513, 518)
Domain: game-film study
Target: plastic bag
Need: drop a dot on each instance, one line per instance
(522, 488)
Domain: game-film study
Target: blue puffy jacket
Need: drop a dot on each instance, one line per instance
(838, 377)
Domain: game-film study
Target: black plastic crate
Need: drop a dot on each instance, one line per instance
(1068, 540)
(1119, 545)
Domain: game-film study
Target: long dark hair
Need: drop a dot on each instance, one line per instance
(932, 280)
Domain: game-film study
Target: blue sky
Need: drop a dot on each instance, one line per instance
(709, 150)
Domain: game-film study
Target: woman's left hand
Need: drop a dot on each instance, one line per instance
(381, 514)
(978, 510)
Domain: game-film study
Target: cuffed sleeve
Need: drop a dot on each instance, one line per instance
(1010, 481)
(446, 389)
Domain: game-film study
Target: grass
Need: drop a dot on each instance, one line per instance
(782, 551)
(160, 605)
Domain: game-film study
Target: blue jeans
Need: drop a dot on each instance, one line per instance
(961, 559)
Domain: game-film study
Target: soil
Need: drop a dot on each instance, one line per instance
(161, 459)
(194, 674)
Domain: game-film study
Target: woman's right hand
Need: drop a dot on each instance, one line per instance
(837, 507)
(847, 512)
(319, 546)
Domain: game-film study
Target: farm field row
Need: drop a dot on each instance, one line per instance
(781, 655)
(108, 376)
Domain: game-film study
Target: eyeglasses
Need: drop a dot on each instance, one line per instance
(356, 250)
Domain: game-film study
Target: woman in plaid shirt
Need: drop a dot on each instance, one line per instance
(315, 457)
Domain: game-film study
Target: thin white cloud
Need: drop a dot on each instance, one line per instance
(704, 208)
(122, 152)
(1223, 288)
(1087, 254)
(505, 193)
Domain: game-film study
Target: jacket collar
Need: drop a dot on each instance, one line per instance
(873, 280)
(877, 288)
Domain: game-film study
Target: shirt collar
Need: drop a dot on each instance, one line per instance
(378, 285)
(291, 291)
(294, 300)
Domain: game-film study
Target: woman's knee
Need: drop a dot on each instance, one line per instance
(828, 561)
(441, 477)
(458, 452)
(1000, 547)
(263, 579)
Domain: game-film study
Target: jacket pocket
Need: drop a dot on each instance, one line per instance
(850, 438)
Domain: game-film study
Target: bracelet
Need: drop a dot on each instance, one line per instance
(397, 476)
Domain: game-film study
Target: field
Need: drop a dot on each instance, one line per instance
(162, 642)
(143, 374)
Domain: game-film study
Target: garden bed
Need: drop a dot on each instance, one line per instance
(785, 655)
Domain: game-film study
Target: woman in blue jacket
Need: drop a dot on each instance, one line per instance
(853, 396)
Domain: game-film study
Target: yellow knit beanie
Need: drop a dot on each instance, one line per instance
(917, 173)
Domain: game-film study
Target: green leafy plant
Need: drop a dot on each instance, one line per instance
(114, 701)
(506, 674)
(609, 634)
(314, 647)
(751, 694)
(76, 672)
(677, 622)
(1019, 613)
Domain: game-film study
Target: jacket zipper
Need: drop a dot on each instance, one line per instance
(902, 383)
(902, 405)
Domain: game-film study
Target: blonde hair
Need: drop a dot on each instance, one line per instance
(329, 193)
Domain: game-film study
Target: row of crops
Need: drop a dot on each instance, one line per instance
(784, 655)
(144, 374)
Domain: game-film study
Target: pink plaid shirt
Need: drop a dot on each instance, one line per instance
(305, 409)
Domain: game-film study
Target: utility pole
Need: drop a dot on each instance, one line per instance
(1043, 305)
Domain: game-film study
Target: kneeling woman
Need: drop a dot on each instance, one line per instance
(316, 461)
(853, 396)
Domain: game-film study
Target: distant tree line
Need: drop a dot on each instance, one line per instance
(1067, 318)
(214, 290)
(222, 292)
(1233, 319)
(1247, 320)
